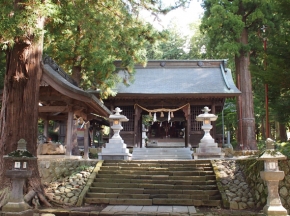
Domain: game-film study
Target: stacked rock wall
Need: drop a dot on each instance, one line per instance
(54, 169)
(64, 179)
(242, 187)
(252, 169)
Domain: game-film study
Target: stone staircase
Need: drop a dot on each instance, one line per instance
(187, 183)
(161, 154)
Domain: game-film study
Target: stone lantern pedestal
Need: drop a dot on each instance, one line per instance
(272, 175)
(144, 136)
(116, 149)
(18, 174)
(207, 148)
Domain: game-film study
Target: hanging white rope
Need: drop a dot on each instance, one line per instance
(185, 108)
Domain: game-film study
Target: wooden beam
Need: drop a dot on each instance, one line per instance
(54, 109)
(51, 117)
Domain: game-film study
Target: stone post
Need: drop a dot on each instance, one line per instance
(272, 175)
(144, 136)
(19, 173)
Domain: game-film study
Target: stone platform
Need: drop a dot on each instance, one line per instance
(160, 153)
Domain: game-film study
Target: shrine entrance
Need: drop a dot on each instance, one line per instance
(164, 133)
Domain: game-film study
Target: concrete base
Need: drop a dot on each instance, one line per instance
(208, 155)
(15, 207)
(115, 150)
(29, 212)
(275, 210)
(111, 156)
(208, 150)
(161, 154)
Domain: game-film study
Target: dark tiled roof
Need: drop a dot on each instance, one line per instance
(70, 89)
(181, 78)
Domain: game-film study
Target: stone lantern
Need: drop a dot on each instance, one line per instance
(20, 160)
(207, 147)
(272, 175)
(116, 149)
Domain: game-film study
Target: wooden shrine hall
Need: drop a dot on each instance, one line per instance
(62, 100)
(173, 92)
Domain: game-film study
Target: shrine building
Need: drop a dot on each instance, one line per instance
(172, 93)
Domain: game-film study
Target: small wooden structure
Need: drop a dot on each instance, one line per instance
(60, 99)
(175, 91)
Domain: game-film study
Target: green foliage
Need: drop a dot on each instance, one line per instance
(147, 120)
(284, 148)
(171, 46)
(93, 155)
(230, 120)
(86, 37)
(20, 153)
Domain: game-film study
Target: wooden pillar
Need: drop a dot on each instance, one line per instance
(213, 111)
(111, 124)
(69, 127)
(135, 138)
(86, 141)
(188, 128)
(45, 129)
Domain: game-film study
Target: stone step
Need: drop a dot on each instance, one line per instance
(165, 190)
(118, 195)
(160, 201)
(202, 162)
(157, 172)
(155, 168)
(156, 181)
(162, 157)
(140, 164)
(197, 195)
(161, 153)
(150, 182)
(156, 177)
(155, 186)
(117, 201)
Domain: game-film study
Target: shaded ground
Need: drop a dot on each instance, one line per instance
(225, 212)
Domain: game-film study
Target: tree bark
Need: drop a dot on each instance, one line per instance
(282, 132)
(19, 113)
(246, 118)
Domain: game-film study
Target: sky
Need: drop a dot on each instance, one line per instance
(183, 17)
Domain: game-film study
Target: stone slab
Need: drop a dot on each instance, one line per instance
(119, 208)
(180, 209)
(108, 208)
(191, 209)
(134, 208)
(130, 202)
(164, 208)
(149, 209)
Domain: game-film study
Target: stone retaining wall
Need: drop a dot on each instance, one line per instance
(65, 179)
(242, 187)
(252, 168)
(52, 169)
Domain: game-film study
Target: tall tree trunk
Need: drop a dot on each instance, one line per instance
(19, 113)
(282, 132)
(245, 101)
